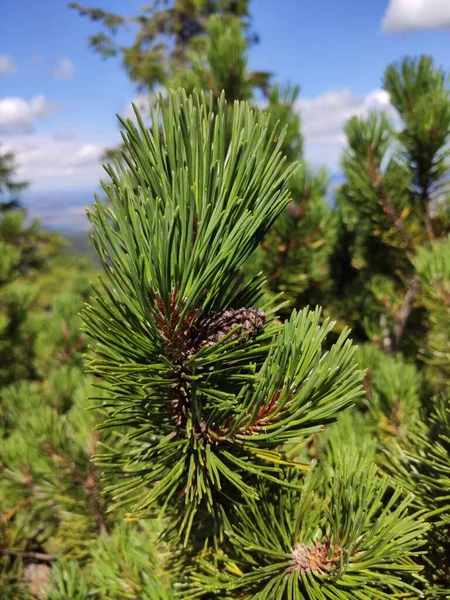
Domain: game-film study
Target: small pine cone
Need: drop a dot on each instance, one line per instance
(216, 325)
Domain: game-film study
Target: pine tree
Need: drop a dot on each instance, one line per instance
(24, 248)
(42, 399)
(433, 274)
(211, 390)
(214, 58)
(169, 34)
(219, 63)
(224, 458)
(420, 464)
(394, 200)
(9, 186)
(419, 461)
(393, 287)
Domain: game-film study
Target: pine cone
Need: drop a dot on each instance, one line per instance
(216, 325)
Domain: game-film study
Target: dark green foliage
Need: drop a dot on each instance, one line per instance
(218, 405)
(219, 63)
(393, 392)
(433, 273)
(282, 109)
(24, 250)
(294, 255)
(124, 565)
(394, 221)
(419, 91)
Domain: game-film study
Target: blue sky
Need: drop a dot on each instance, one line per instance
(58, 99)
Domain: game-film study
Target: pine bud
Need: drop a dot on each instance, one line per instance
(314, 559)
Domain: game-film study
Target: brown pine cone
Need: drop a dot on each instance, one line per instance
(216, 325)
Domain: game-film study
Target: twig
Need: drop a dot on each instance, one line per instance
(386, 335)
(401, 317)
(91, 485)
(40, 556)
(428, 220)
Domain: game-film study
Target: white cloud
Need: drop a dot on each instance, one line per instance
(17, 115)
(65, 70)
(407, 15)
(332, 109)
(84, 155)
(143, 103)
(7, 64)
(59, 160)
(324, 117)
(50, 163)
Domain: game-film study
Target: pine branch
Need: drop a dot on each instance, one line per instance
(91, 484)
(387, 344)
(89, 481)
(36, 556)
(206, 383)
(310, 545)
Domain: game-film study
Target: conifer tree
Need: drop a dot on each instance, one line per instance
(224, 459)
(393, 217)
(43, 424)
(24, 248)
(210, 390)
(432, 266)
(394, 200)
(9, 186)
(219, 63)
(167, 34)
(420, 460)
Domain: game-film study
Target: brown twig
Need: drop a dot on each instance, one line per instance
(428, 220)
(387, 344)
(39, 556)
(262, 419)
(402, 315)
(64, 462)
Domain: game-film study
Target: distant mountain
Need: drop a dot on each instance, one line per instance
(59, 210)
(65, 212)
(81, 244)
